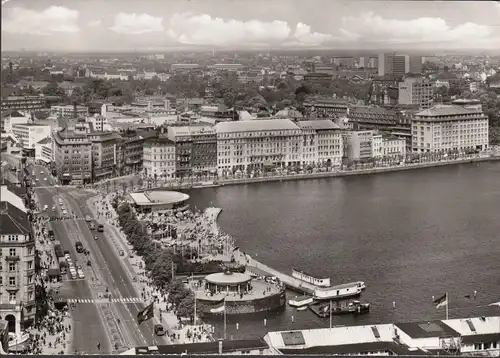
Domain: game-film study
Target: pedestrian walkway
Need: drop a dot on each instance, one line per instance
(106, 300)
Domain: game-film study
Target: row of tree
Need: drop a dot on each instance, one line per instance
(158, 261)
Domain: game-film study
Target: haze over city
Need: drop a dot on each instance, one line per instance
(98, 25)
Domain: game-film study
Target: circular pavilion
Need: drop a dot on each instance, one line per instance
(228, 282)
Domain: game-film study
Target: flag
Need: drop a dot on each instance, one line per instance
(219, 307)
(441, 301)
(146, 314)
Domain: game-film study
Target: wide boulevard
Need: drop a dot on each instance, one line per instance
(98, 311)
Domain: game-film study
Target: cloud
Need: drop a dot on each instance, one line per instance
(55, 19)
(94, 23)
(136, 24)
(304, 35)
(205, 30)
(373, 28)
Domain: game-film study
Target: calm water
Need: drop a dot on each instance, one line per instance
(409, 235)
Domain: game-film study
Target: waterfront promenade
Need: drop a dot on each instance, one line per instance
(192, 183)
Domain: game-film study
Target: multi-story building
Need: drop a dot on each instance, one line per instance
(220, 112)
(250, 77)
(371, 117)
(387, 145)
(130, 151)
(457, 127)
(325, 108)
(323, 68)
(30, 133)
(228, 67)
(416, 90)
(69, 111)
(73, 155)
(358, 144)
(104, 154)
(12, 117)
(23, 103)
(99, 123)
(321, 142)
(17, 265)
(249, 145)
(398, 65)
(184, 66)
(318, 78)
(159, 157)
(43, 150)
(196, 149)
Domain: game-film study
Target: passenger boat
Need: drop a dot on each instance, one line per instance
(355, 307)
(316, 281)
(300, 301)
(338, 292)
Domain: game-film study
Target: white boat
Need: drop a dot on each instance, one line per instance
(346, 290)
(302, 308)
(361, 285)
(316, 281)
(300, 301)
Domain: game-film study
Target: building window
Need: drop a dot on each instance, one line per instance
(12, 266)
(12, 252)
(12, 296)
(12, 281)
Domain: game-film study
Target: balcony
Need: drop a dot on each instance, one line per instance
(12, 258)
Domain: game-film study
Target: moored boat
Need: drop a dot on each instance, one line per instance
(302, 308)
(316, 281)
(338, 292)
(324, 309)
(300, 301)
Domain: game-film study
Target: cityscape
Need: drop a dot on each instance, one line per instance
(232, 177)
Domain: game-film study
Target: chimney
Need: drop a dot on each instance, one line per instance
(220, 347)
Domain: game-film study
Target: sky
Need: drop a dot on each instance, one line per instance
(160, 25)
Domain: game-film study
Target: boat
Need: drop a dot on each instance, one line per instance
(316, 281)
(300, 301)
(302, 308)
(346, 290)
(355, 307)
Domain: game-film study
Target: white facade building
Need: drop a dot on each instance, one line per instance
(159, 157)
(450, 127)
(44, 150)
(245, 145)
(69, 111)
(30, 133)
(99, 123)
(388, 146)
(416, 90)
(321, 142)
(15, 117)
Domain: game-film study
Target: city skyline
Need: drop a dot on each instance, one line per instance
(97, 25)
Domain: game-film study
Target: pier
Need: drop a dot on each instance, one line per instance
(255, 267)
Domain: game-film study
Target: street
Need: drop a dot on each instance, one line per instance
(109, 321)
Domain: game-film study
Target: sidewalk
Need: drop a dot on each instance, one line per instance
(178, 332)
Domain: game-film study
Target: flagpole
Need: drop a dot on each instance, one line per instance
(224, 318)
(447, 304)
(330, 314)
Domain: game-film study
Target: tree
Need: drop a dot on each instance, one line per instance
(177, 292)
(186, 307)
(52, 89)
(161, 270)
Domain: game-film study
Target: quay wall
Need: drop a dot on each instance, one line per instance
(354, 172)
(269, 303)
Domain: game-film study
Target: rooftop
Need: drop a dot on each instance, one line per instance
(13, 220)
(319, 124)
(427, 329)
(228, 278)
(46, 140)
(12, 198)
(158, 197)
(256, 126)
(447, 110)
(206, 348)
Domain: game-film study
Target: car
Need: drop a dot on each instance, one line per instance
(159, 330)
(92, 226)
(41, 172)
(53, 208)
(44, 178)
(96, 238)
(122, 253)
